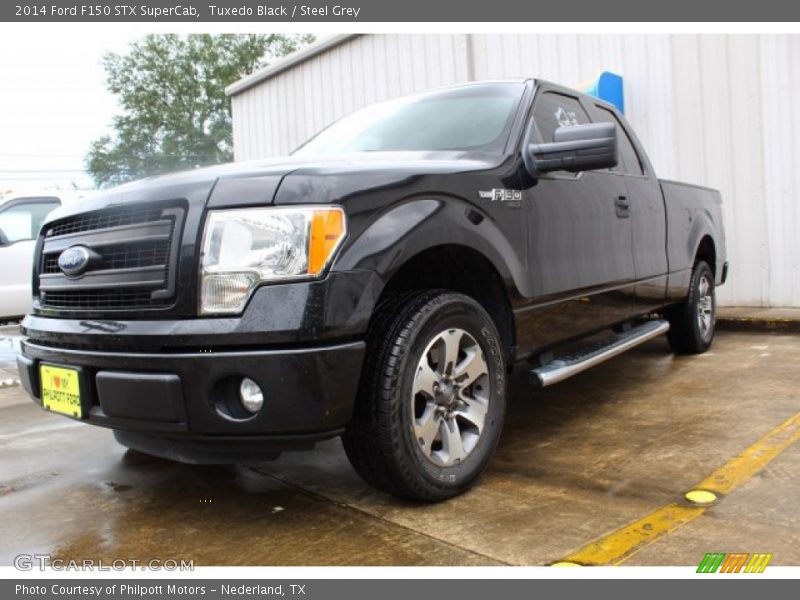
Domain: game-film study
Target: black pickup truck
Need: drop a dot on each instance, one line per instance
(379, 284)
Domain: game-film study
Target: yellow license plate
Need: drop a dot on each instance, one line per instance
(61, 390)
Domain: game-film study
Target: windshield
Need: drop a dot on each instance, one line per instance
(475, 117)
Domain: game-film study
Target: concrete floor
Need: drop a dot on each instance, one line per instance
(576, 461)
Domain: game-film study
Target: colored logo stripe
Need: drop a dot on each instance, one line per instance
(711, 562)
(758, 563)
(734, 563)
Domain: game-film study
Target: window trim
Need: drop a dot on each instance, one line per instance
(642, 172)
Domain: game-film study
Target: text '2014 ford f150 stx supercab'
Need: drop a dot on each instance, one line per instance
(379, 284)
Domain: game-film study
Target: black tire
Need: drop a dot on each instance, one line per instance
(687, 334)
(380, 441)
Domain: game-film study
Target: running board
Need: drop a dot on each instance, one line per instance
(566, 366)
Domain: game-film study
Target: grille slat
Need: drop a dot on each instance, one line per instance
(110, 233)
(140, 254)
(100, 299)
(104, 220)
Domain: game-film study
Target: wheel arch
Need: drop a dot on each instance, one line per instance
(444, 243)
(457, 268)
(707, 251)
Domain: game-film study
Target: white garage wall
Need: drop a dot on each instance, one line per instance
(718, 110)
(275, 116)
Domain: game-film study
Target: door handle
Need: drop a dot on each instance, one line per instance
(622, 207)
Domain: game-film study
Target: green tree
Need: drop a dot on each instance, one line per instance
(174, 112)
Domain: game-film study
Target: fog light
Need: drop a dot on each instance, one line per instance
(251, 395)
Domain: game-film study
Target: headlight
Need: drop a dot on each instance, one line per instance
(243, 248)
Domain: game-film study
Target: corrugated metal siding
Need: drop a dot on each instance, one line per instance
(275, 116)
(780, 89)
(718, 110)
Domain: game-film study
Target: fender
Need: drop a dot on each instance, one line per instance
(683, 252)
(702, 226)
(421, 223)
(693, 212)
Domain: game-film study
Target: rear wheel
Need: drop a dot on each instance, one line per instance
(432, 397)
(693, 321)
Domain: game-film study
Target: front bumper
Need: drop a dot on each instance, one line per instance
(174, 403)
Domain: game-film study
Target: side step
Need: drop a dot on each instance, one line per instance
(566, 366)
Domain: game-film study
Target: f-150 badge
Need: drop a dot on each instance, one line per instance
(511, 198)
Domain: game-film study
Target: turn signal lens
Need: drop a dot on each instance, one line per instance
(327, 230)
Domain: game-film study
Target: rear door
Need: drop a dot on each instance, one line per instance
(580, 238)
(648, 215)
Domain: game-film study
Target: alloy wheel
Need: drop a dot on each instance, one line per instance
(450, 397)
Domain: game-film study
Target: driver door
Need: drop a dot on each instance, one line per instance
(580, 239)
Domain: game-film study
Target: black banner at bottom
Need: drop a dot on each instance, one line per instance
(389, 589)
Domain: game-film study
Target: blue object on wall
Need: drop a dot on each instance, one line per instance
(608, 87)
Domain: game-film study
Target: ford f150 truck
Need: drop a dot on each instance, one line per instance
(378, 284)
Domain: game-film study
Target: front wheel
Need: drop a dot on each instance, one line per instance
(693, 321)
(432, 397)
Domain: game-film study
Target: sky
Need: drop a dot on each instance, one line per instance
(53, 103)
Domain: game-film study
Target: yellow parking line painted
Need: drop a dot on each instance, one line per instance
(751, 461)
(619, 545)
(616, 547)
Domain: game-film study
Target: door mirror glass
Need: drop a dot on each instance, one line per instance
(576, 148)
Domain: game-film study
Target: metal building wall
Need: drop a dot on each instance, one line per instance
(717, 110)
(275, 116)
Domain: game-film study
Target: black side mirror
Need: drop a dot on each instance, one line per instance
(4, 241)
(577, 148)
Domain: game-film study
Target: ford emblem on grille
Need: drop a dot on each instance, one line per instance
(74, 260)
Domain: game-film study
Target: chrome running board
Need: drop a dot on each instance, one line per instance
(565, 367)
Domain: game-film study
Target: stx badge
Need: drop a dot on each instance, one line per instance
(512, 198)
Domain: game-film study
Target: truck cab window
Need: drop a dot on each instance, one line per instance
(553, 110)
(475, 117)
(629, 160)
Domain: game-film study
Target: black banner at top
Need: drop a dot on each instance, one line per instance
(464, 11)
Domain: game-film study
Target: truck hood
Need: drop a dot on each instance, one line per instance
(314, 178)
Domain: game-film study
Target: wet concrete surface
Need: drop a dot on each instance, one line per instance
(9, 347)
(576, 461)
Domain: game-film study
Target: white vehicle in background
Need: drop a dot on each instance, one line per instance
(21, 217)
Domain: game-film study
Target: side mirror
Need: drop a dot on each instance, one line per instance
(4, 241)
(578, 148)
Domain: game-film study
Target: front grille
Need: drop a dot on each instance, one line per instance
(131, 254)
(137, 254)
(101, 299)
(104, 220)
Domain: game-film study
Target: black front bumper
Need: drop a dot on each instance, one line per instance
(174, 404)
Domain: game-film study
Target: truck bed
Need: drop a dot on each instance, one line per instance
(693, 212)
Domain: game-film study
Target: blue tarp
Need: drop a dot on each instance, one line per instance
(608, 87)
